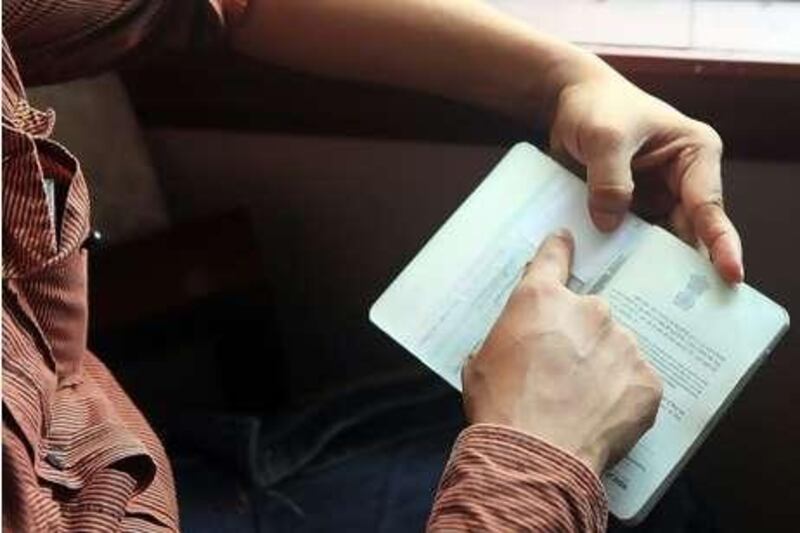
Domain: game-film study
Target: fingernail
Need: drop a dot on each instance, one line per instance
(565, 235)
(606, 221)
(562, 233)
(733, 272)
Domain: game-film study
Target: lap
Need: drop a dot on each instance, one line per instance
(389, 488)
(361, 463)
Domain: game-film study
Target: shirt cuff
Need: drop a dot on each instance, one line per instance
(498, 478)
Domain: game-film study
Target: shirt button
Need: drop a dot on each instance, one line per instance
(54, 460)
(92, 241)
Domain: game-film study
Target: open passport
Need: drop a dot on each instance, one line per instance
(704, 337)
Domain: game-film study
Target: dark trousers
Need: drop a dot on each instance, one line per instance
(368, 460)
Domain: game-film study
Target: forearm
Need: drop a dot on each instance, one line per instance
(460, 49)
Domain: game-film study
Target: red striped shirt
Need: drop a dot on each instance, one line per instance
(499, 479)
(77, 454)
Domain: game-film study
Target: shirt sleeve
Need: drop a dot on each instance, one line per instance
(53, 40)
(498, 479)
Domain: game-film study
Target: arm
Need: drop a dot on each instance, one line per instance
(462, 49)
(466, 50)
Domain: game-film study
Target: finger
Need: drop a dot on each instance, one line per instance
(617, 347)
(716, 231)
(701, 194)
(593, 321)
(560, 153)
(681, 225)
(610, 187)
(553, 259)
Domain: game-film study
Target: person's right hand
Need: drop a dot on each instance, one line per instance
(557, 366)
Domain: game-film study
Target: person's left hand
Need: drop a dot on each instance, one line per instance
(639, 152)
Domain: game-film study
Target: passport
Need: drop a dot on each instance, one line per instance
(704, 337)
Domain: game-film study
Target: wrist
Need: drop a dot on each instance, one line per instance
(570, 66)
(521, 72)
(595, 457)
(544, 69)
(593, 453)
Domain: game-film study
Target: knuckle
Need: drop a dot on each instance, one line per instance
(471, 371)
(652, 381)
(611, 192)
(656, 388)
(537, 290)
(605, 136)
(569, 103)
(715, 201)
(466, 371)
(605, 196)
(710, 220)
(628, 341)
(647, 391)
(597, 307)
(654, 406)
(711, 139)
(658, 394)
(651, 401)
(650, 417)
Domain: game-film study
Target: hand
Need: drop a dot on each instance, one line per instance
(558, 367)
(623, 138)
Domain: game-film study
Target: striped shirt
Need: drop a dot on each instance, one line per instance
(77, 454)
